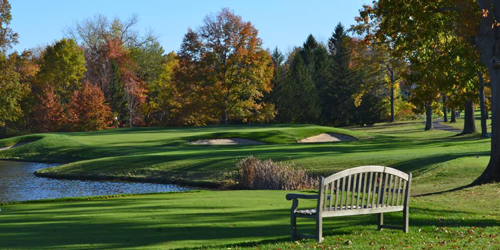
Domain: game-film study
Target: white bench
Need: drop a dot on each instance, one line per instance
(356, 191)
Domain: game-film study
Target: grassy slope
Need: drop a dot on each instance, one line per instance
(460, 124)
(465, 219)
(157, 154)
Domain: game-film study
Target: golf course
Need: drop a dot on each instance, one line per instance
(444, 212)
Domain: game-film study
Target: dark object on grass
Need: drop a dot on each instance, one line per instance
(356, 191)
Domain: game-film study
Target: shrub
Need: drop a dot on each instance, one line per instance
(258, 174)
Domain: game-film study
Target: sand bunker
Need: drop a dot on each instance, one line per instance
(327, 137)
(14, 146)
(227, 141)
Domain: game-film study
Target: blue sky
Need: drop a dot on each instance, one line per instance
(282, 23)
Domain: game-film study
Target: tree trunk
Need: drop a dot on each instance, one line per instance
(445, 114)
(428, 115)
(224, 117)
(484, 127)
(393, 119)
(487, 41)
(469, 119)
(130, 117)
(453, 115)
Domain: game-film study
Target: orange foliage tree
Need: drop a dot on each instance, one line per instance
(226, 71)
(88, 110)
(133, 88)
(48, 114)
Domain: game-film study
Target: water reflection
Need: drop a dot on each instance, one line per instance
(18, 183)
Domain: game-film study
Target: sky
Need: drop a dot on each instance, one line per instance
(281, 23)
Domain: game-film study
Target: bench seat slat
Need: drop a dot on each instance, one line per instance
(351, 211)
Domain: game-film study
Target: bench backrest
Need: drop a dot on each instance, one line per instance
(362, 190)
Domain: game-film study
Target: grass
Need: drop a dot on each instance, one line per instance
(159, 154)
(163, 154)
(464, 219)
(467, 218)
(460, 121)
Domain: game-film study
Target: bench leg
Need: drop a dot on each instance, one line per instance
(380, 220)
(406, 220)
(293, 226)
(319, 228)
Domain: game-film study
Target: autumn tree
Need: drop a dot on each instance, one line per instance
(162, 103)
(408, 24)
(48, 114)
(62, 67)
(233, 70)
(120, 61)
(88, 110)
(126, 90)
(376, 97)
(12, 91)
(26, 66)
(426, 30)
(7, 36)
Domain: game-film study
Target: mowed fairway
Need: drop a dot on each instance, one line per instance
(164, 155)
(440, 219)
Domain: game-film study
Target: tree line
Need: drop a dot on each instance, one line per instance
(105, 74)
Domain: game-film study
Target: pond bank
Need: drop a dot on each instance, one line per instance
(18, 183)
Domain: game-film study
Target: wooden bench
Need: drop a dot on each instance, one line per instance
(356, 191)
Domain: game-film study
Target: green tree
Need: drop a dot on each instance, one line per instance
(63, 67)
(7, 36)
(408, 24)
(150, 58)
(437, 33)
(162, 102)
(12, 91)
(302, 99)
(339, 101)
(319, 64)
(26, 65)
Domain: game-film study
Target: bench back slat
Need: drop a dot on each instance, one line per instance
(388, 193)
(347, 191)
(366, 187)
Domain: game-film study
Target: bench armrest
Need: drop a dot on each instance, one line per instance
(301, 196)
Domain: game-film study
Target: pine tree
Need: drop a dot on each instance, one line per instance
(338, 96)
(278, 82)
(304, 102)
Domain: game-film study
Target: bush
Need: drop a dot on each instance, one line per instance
(258, 174)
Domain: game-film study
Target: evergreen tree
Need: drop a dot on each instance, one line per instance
(304, 102)
(338, 95)
(278, 82)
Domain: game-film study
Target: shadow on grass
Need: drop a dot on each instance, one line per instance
(445, 191)
(159, 221)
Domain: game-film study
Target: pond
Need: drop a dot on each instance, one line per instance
(18, 183)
